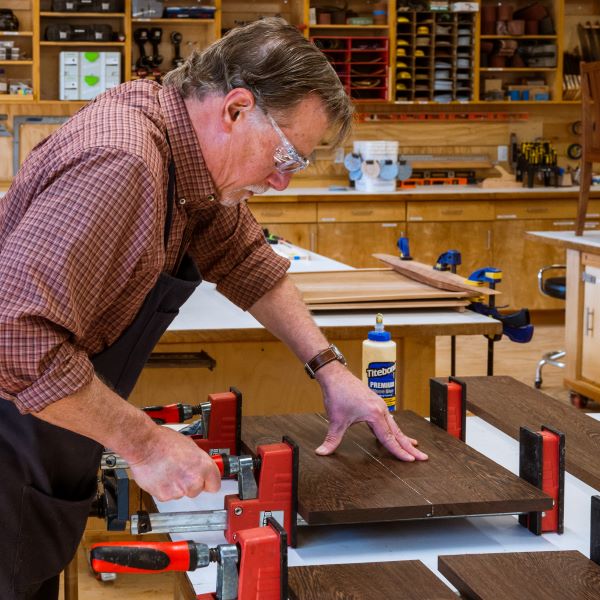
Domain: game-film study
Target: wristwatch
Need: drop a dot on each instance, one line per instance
(322, 358)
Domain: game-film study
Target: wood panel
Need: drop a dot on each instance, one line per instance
(354, 243)
(31, 134)
(450, 211)
(562, 575)
(522, 209)
(364, 285)
(361, 212)
(394, 580)
(281, 212)
(509, 404)
(303, 235)
(363, 483)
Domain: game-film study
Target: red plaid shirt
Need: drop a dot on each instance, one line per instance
(81, 238)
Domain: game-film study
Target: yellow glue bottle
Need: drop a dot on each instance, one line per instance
(379, 363)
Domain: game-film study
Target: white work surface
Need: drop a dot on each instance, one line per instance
(200, 312)
(424, 540)
(569, 239)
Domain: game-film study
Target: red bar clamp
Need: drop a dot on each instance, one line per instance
(448, 406)
(542, 463)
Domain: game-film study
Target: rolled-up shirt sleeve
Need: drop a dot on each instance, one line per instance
(231, 251)
(66, 260)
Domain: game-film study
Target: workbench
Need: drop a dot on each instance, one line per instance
(271, 377)
(424, 540)
(582, 321)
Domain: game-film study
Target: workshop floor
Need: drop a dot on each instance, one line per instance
(517, 360)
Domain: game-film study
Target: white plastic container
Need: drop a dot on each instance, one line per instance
(379, 363)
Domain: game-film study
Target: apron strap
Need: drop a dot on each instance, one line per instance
(170, 200)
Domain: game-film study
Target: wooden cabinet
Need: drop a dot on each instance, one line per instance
(294, 222)
(590, 334)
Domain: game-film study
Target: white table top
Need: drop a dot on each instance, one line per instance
(422, 540)
(589, 241)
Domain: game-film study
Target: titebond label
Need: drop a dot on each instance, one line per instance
(381, 378)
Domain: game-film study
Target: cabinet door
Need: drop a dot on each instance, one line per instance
(520, 260)
(590, 339)
(473, 239)
(353, 243)
(300, 234)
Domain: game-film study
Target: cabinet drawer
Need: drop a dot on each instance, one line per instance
(363, 212)
(468, 210)
(593, 211)
(540, 209)
(284, 213)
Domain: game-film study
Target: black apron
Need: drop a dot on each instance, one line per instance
(48, 475)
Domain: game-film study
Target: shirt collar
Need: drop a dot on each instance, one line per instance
(194, 182)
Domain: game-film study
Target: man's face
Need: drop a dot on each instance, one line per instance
(250, 166)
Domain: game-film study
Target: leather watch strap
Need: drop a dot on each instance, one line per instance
(322, 358)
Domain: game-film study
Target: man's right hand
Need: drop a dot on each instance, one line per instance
(174, 467)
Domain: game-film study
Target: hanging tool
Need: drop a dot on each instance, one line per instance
(254, 568)
(176, 39)
(141, 37)
(218, 431)
(449, 261)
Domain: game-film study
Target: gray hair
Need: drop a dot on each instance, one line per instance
(276, 63)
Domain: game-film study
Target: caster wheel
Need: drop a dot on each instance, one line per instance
(578, 401)
(538, 385)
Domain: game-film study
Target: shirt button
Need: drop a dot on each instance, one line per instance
(182, 201)
(211, 197)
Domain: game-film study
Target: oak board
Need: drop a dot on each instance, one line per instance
(396, 580)
(561, 575)
(508, 404)
(459, 305)
(443, 280)
(363, 483)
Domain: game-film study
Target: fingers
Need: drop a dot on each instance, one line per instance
(384, 433)
(406, 443)
(334, 436)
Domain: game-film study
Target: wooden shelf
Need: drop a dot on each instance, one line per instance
(95, 15)
(518, 37)
(15, 99)
(72, 44)
(176, 21)
(16, 33)
(74, 103)
(516, 70)
(348, 27)
(21, 63)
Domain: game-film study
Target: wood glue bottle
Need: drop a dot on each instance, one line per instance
(379, 363)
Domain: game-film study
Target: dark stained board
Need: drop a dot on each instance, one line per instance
(402, 580)
(363, 483)
(523, 576)
(509, 404)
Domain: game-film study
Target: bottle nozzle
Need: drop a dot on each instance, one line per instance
(378, 322)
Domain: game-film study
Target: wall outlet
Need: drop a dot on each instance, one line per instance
(502, 153)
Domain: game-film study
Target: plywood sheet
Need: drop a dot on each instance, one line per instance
(397, 580)
(523, 575)
(363, 483)
(361, 285)
(392, 304)
(428, 275)
(509, 404)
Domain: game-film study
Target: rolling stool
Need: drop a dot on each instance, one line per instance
(555, 287)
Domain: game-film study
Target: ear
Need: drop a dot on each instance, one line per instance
(236, 104)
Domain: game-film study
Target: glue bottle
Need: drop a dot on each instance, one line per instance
(379, 363)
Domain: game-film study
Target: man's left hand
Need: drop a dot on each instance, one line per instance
(347, 401)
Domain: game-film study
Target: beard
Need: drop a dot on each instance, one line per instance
(235, 197)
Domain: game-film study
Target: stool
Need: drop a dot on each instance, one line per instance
(555, 287)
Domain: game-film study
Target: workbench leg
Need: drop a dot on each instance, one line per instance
(416, 365)
(71, 578)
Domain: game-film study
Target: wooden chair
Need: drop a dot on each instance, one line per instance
(590, 120)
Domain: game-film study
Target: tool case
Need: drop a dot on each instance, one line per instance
(87, 5)
(63, 32)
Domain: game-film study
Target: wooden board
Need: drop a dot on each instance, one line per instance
(362, 285)
(509, 404)
(442, 280)
(524, 575)
(363, 483)
(391, 304)
(396, 580)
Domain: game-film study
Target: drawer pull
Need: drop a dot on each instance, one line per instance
(589, 321)
(415, 218)
(327, 219)
(506, 216)
(563, 223)
(362, 213)
(391, 225)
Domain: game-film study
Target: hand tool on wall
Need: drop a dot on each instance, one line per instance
(449, 261)
(141, 37)
(176, 39)
(155, 38)
(254, 568)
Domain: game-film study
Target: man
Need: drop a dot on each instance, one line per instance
(104, 234)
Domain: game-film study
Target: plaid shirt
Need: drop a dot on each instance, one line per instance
(82, 238)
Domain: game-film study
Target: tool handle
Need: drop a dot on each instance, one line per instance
(144, 557)
(220, 461)
(171, 413)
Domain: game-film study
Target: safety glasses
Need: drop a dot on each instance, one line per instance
(287, 159)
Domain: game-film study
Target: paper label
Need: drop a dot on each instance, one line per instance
(381, 378)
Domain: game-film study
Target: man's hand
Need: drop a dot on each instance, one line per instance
(347, 401)
(175, 467)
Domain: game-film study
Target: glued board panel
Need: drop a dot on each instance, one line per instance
(396, 580)
(362, 482)
(523, 575)
(509, 404)
(386, 305)
(363, 285)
